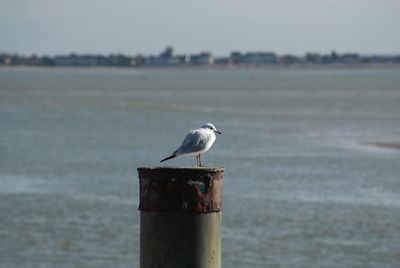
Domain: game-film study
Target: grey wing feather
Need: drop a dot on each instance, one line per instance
(193, 142)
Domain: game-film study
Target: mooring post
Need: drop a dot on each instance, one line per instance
(180, 217)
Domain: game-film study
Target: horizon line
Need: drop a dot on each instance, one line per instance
(199, 52)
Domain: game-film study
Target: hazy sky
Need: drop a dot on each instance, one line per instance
(220, 26)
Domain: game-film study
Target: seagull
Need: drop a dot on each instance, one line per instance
(196, 142)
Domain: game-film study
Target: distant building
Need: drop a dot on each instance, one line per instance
(138, 61)
(259, 58)
(158, 61)
(223, 61)
(313, 58)
(75, 60)
(155, 61)
(350, 58)
(5, 59)
(166, 58)
(290, 59)
(204, 58)
(236, 58)
(183, 59)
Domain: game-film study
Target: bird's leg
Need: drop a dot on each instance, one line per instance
(200, 160)
(197, 160)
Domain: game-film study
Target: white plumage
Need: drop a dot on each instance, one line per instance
(196, 142)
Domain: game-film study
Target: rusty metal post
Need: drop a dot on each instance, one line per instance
(180, 217)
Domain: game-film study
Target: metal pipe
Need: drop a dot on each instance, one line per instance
(180, 217)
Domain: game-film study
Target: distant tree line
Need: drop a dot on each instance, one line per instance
(167, 58)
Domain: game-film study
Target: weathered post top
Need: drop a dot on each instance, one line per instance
(180, 217)
(174, 189)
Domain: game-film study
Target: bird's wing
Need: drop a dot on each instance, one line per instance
(194, 141)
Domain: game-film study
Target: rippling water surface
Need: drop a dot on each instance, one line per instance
(305, 185)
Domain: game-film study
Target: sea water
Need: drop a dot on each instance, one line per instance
(304, 184)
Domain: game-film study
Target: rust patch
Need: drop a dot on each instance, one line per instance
(167, 189)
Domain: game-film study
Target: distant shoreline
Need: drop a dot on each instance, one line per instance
(214, 67)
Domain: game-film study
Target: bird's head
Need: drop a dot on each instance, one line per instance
(211, 127)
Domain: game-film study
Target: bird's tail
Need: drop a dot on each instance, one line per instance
(169, 157)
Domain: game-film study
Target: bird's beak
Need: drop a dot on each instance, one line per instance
(219, 132)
